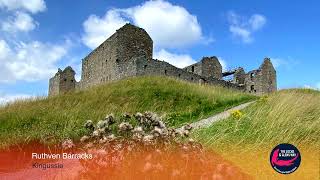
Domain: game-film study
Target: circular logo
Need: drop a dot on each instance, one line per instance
(285, 158)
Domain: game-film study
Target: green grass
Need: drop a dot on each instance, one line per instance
(288, 116)
(56, 118)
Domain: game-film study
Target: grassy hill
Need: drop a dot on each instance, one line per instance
(55, 118)
(291, 116)
(288, 116)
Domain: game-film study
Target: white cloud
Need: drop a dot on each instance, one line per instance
(4, 50)
(33, 6)
(5, 98)
(170, 26)
(315, 86)
(21, 22)
(223, 64)
(181, 60)
(243, 27)
(257, 21)
(243, 33)
(99, 29)
(178, 60)
(26, 60)
(30, 61)
(278, 62)
(287, 62)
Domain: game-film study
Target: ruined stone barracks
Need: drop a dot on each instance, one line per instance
(128, 53)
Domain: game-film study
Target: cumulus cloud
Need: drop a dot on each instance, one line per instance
(178, 60)
(223, 63)
(279, 62)
(170, 26)
(33, 6)
(99, 29)
(26, 60)
(257, 21)
(20, 22)
(7, 98)
(287, 62)
(182, 60)
(243, 27)
(30, 61)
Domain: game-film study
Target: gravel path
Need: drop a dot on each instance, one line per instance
(223, 115)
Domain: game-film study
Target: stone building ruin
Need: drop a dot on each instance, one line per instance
(128, 53)
(62, 82)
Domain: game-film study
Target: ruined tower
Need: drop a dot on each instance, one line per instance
(62, 82)
(111, 60)
(207, 67)
(262, 80)
(239, 76)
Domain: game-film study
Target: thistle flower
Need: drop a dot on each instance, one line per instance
(187, 127)
(158, 123)
(172, 132)
(104, 130)
(183, 132)
(89, 145)
(126, 115)
(84, 139)
(111, 137)
(103, 140)
(148, 115)
(138, 116)
(110, 119)
(157, 131)
(89, 125)
(137, 136)
(161, 124)
(67, 144)
(138, 129)
(96, 133)
(148, 138)
(154, 117)
(125, 126)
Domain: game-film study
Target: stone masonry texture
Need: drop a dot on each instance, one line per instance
(128, 53)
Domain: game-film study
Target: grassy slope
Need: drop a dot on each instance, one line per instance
(287, 116)
(56, 118)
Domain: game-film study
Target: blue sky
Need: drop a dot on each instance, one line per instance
(38, 36)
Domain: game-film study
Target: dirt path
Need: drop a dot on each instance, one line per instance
(223, 115)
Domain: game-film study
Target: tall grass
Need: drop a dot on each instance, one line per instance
(288, 116)
(55, 118)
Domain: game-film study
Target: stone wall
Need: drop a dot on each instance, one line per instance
(62, 82)
(195, 68)
(269, 81)
(54, 84)
(239, 76)
(99, 66)
(128, 52)
(111, 60)
(262, 80)
(153, 67)
(207, 67)
(67, 80)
